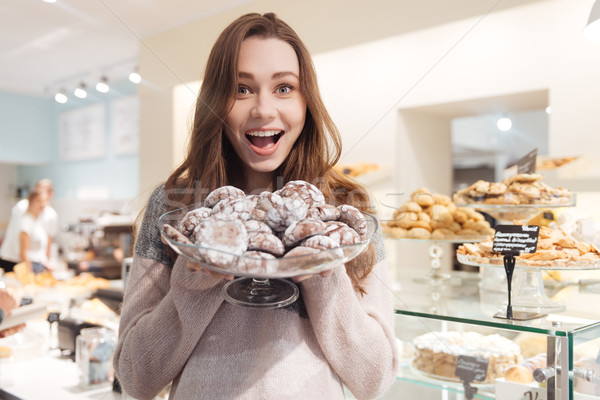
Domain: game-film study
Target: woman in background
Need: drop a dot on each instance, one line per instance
(34, 242)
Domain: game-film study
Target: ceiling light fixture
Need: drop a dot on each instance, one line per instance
(102, 85)
(592, 29)
(549, 110)
(61, 97)
(135, 77)
(80, 91)
(50, 1)
(504, 124)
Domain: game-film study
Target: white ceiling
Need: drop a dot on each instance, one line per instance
(44, 46)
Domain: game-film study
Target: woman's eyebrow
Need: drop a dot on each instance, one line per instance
(276, 75)
(282, 74)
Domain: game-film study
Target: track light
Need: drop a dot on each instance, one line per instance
(80, 91)
(102, 85)
(61, 97)
(504, 124)
(135, 77)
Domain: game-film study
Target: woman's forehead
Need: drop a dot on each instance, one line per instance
(267, 57)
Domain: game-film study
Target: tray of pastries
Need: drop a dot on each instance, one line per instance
(555, 250)
(288, 232)
(517, 190)
(436, 354)
(434, 216)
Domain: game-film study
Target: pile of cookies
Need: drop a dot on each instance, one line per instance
(518, 189)
(434, 216)
(553, 246)
(289, 222)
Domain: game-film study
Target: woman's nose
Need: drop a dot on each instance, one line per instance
(264, 107)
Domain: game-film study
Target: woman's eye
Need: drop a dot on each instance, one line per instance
(285, 89)
(243, 90)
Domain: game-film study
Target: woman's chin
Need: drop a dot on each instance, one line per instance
(265, 166)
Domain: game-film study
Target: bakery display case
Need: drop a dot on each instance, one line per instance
(435, 325)
(453, 341)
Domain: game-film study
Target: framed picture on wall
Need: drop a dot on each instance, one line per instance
(126, 119)
(82, 133)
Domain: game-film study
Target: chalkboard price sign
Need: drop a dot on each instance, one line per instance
(470, 369)
(516, 239)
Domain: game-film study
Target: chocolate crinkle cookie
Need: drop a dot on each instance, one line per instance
(245, 232)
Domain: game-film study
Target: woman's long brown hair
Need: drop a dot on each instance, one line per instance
(211, 161)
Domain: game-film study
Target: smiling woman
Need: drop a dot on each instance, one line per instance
(259, 125)
(269, 111)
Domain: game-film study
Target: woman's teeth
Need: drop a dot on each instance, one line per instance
(263, 133)
(264, 139)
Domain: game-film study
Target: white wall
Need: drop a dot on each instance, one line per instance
(530, 48)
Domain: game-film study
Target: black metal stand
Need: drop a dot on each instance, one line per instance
(509, 268)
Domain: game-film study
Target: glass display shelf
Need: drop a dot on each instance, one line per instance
(467, 305)
(464, 307)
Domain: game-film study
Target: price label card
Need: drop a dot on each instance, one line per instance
(516, 239)
(470, 369)
(520, 391)
(526, 165)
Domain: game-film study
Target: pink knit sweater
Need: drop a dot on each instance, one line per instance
(176, 327)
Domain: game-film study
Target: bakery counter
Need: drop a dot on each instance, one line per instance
(440, 325)
(34, 371)
(39, 362)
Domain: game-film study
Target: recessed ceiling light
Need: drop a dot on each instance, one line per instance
(102, 85)
(504, 124)
(80, 91)
(61, 97)
(135, 77)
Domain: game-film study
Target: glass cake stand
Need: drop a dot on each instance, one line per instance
(529, 293)
(435, 276)
(263, 283)
(528, 282)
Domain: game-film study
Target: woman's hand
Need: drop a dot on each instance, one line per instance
(196, 268)
(11, 331)
(301, 278)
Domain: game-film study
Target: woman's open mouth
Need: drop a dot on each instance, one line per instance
(264, 142)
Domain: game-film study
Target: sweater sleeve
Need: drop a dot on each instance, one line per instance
(165, 312)
(355, 332)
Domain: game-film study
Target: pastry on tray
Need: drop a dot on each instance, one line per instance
(553, 246)
(521, 189)
(434, 216)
